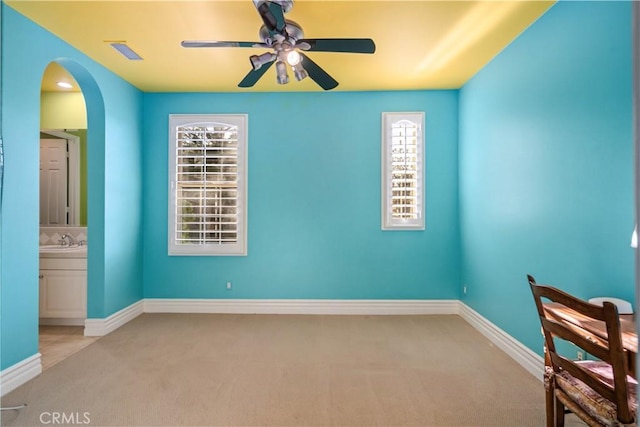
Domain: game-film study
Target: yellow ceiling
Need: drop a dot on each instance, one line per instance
(419, 44)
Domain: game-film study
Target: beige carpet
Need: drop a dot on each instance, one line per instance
(257, 370)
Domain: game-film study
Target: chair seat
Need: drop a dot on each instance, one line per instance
(591, 402)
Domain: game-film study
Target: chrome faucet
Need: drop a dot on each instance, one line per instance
(66, 237)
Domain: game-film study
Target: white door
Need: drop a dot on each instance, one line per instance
(53, 181)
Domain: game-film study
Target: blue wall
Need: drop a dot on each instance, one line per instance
(314, 201)
(115, 182)
(546, 166)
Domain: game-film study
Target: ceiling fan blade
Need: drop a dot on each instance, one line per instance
(254, 75)
(317, 74)
(340, 45)
(272, 15)
(212, 43)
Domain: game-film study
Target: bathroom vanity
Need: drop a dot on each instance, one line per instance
(63, 285)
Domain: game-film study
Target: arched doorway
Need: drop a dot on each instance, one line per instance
(72, 123)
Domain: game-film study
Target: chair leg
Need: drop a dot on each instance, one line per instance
(559, 413)
(549, 390)
(549, 404)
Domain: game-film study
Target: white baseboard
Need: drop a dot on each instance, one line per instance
(297, 306)
(18, 374)
(101, 327)
(529, 360)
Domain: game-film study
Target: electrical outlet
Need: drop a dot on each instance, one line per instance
(464, 289)
(228, 286)
(580, 355)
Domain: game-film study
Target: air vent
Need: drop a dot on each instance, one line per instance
(125, 50)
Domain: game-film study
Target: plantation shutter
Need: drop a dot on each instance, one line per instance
(206, 188)
(403, 170)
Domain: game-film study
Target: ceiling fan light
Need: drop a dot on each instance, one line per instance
(281, 70)
(299, 72)
(293, 58)
(259, 61)
(255, 62)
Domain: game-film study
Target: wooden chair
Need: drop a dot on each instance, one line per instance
(597, 391)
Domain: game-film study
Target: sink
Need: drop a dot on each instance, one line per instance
(59, 251)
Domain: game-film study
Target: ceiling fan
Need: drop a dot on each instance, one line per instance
(287, 43)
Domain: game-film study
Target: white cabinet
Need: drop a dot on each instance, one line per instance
(63, 291)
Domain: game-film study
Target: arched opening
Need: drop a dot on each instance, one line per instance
(71, 129)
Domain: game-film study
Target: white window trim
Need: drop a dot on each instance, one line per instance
(236, 249)
(387, 220)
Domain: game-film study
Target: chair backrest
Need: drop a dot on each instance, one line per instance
(624, 307)
(609, 349)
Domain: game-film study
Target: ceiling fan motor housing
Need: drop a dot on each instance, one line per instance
(292, 30)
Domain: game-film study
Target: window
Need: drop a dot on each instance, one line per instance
(207, 184)
(403, 171)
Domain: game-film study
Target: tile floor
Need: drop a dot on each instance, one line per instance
(59, 342)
